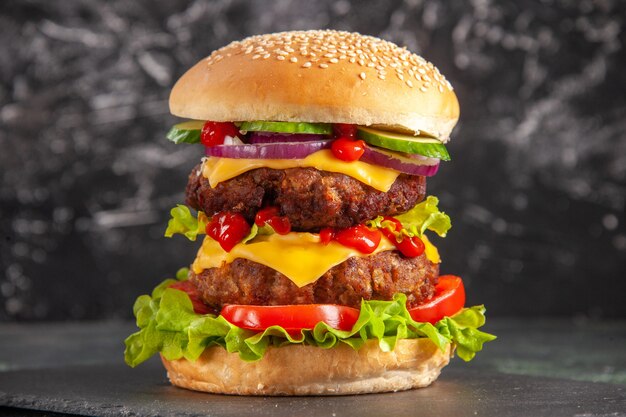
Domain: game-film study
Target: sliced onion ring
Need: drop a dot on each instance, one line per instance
(270, 137)
(426, 167)
(280, 150)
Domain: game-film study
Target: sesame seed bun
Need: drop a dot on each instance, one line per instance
(318, 76)
(414, 363)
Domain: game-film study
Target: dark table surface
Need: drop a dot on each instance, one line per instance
(540, 367)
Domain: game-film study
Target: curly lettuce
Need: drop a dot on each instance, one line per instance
(184, 223)
(426, 216)
(415, 222)
(168, 325)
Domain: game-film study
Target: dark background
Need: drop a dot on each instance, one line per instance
(536, 189)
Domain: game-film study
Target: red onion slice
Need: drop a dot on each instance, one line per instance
(426, 167)
(282, 150)
(269, 137)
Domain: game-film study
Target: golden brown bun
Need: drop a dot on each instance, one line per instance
(318, 76)
(309, 370)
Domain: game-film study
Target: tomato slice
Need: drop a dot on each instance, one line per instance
(292, 318)
(449, 299)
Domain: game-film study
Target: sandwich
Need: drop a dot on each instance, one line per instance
(317, 271)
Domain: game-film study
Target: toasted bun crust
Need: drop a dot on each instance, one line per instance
(318, 76)
(308, 370)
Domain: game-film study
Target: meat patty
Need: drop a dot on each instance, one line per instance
(377, 277)
(310, 198)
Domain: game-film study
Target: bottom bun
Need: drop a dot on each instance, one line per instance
(309, 370)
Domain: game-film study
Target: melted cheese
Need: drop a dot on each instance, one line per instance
(430, 250)
(217, 170)
(299, 256)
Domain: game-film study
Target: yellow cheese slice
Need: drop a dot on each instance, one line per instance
(430, 250)
(217, 170)
(299, 256)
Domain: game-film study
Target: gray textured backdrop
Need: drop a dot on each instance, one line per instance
(536, 188)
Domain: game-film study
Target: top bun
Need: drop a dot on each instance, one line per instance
(318, 76)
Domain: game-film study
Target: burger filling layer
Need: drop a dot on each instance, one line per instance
(311, 199)
(378, 276)
(217, 170)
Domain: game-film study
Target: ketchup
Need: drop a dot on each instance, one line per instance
(345, 146)
(348, 149)
(408, 246)
(228, 229)
(213, 133)
(359, 237)
(271, 217)
(326, 235)
(344, 130)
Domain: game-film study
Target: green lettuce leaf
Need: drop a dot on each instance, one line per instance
(425, 216)
(255, 231)
(184, 223)
(168, 325)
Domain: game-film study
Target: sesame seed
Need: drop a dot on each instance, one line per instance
(326, 47)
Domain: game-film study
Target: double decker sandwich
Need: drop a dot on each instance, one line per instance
(316, 274)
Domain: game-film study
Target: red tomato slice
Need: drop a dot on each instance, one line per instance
(449, 298)
(292, 318)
